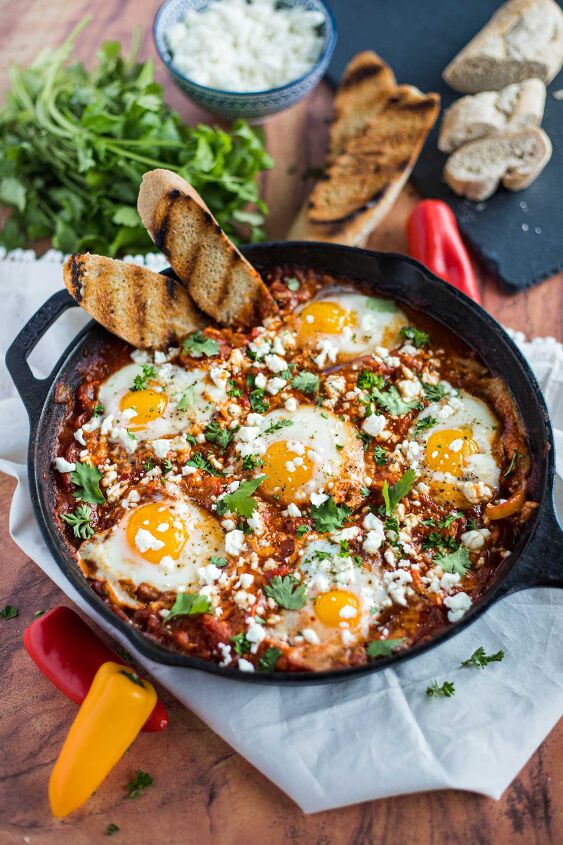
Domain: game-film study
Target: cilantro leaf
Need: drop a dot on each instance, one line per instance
(186, 400)
(306, 382)
(457, 562)
(220, 436)
(267, 661)
(381, 456)
(383, 648)
(447, 690)
(393, 495)
(329, 516)
(79, 520)
(449, 519)
(390, 400)
(479, 659)
(424, 424)
(111, 829)
(189, 604)
(86, 478)
(241, 501)
(514, 460)
(286, 592)
(278, 425)
(251, 462)
(199, 462)
(301, 530)
(381, 306)
(367, 380)
(240, 643)
(9, 612)
(218, 561)
(416, 336)
(434, 392)
(258, 401)
(140, 382)
(137, 785)
(197, 344)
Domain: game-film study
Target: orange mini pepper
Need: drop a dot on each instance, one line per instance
(110, 717)
(506, 508)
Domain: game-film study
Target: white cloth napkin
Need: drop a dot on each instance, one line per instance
(331, 745)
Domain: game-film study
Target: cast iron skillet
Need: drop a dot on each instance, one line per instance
(537, 559)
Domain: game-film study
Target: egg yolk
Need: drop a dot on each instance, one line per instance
(448, 450)
(325, 317)
(148, 403)
(328, 607)
(283, 480)
(168, 533)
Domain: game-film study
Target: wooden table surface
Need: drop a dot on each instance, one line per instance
(203, 791)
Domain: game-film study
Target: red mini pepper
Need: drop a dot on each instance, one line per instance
(69, 653)
(435, 241)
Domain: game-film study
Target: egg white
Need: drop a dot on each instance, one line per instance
(108, 556)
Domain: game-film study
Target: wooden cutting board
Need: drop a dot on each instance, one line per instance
(518, 235)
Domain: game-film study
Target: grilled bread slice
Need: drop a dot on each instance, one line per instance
(219, 279)
(515, 158)
(145, 309)
(523, 39)
(363, 182)
(365, 85)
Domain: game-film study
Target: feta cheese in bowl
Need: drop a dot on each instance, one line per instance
(245, 58)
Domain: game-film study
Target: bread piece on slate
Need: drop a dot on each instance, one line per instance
(523, 39)
(517, 106)
(217, 276)
(515, 159)
(146, 309)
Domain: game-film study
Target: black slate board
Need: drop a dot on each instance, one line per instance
(518, 235)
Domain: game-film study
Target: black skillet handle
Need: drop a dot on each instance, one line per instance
(33, 391)
(541, 565)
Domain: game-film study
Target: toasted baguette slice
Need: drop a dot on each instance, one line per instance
(364, 181)
(517, 158)
(515, 107)
(523, 39)
(145, 309)
(217, 276)
(365, 85)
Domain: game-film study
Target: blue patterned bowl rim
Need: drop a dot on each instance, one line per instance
(324, 58)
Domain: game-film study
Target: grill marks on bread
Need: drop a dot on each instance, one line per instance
(217, 276)
(146, 309)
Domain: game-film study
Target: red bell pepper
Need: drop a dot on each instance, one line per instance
(69, 653)
(435, 241)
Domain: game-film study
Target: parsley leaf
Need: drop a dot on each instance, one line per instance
(197, 344)
(137, 785)
(367, 380)
(380, 455)
(381, 306)
(278, 425)
(329, 516)
(306, 382)
(390, 400)
(416, 336)
(434, 392)
(393, 495)
(199, 462)
(447, 690)
(9, 612)
(267, 661)
(479, 659)
(86, 478)
(140, 382)
(79, 520)
(457, 562)
(220, 436)
(424, 424)
(383, 648)
(189, 604)
(241, 501)
(286, 592)
(240, 643)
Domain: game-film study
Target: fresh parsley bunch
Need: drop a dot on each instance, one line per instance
(74, 144)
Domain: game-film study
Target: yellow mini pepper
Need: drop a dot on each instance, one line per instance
(112, 714)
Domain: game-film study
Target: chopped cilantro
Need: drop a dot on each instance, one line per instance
(218, 561)
(344, 548)
(383, 648)
(9, 612)
(367, 380)
(306, 382)
(515, 458)
(392, 524)
(86, 478)
(140, 382)
(435, 540)
(79, 520)
(191, 439)
(472, 524)
(380, 455)
(318, 554)
(449, 519)
(199, 462)
(258, 400)
(365, 491)
(197, 344)
(301, 530)
(149, 464)
(381, 306)
(111, 829)
(167, 466)
(329, 516)
(136, 787)
(38, 613)
(393, 495)
(434, 392)
(457, 561)
(241, 501)
(286, 592)
(189, 604)
(220, 436)
(268, 661)
(416, 336)
(390, 400)
(424, 424)
(447, 690)
(233, 391)
(292, 284)
(98, 410)
(240, 643)
(187, 400)
(365, 438)
(278, 425)
(479, 659)
(250, 462)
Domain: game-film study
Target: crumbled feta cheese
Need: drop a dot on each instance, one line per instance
(62, 465)
(275, 385)
(449, 580)
(348, 611)
(310, 636)
(245, 665)
(187, 469)
(256, 522)
(318, 498)
(475, 539)
(144, 541)
(375, 536)
(218, 376)
(477, 492)
(209, 574)
(161, 448)
(234, 542)
(327, 351)
(410, 389)
(255, 633)
(254, 419)
(397, 585)
(275, 363)
(245, 580)
(79, 436)
(244, 599)
(347, 637)
(225, 650)
(247, 433)
(291, 404)
(458, 606)
(374, 424)
(92, 424)
(260, 381)
(293, 510)
(336, 385)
